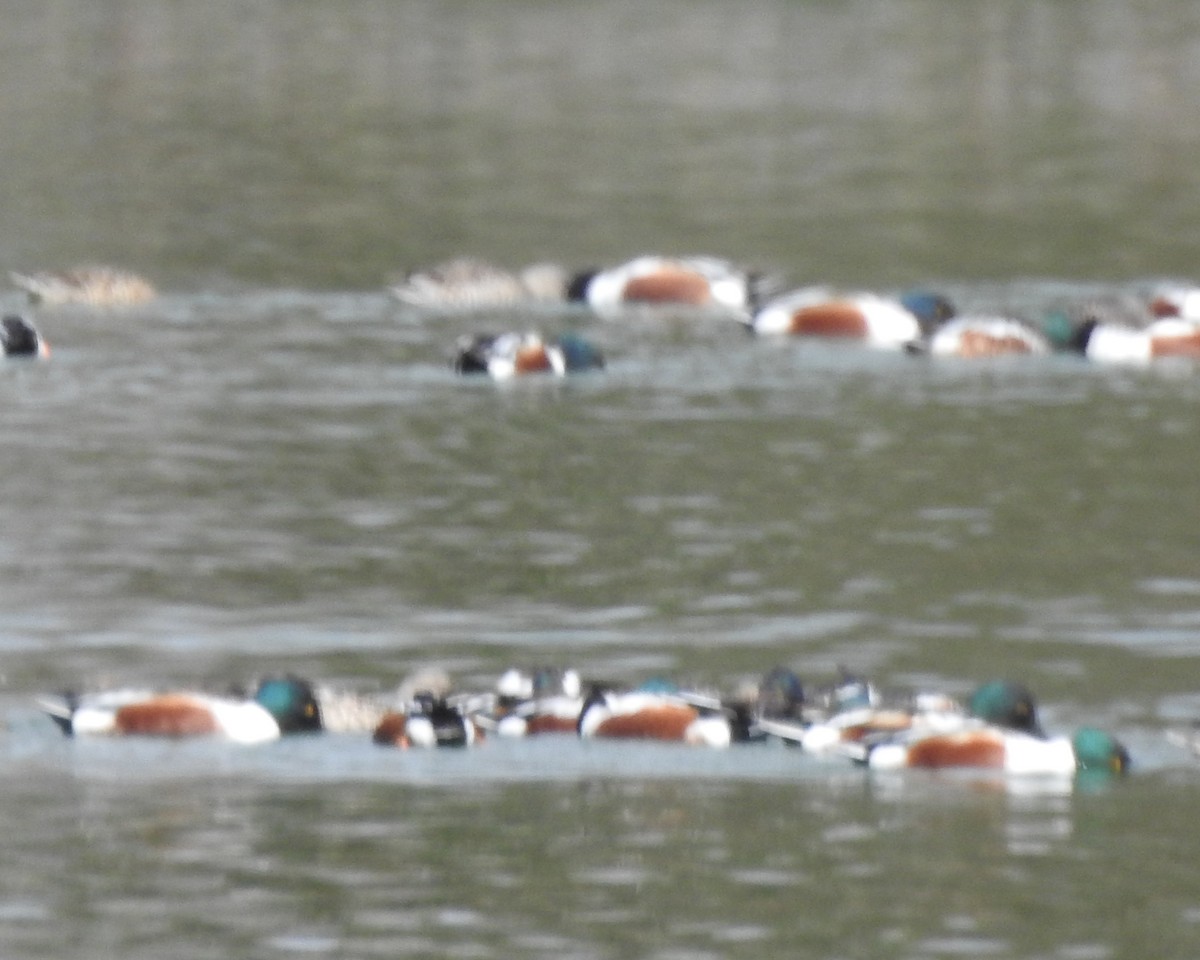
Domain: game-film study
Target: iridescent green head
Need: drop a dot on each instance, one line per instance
(1006, 704)
(292, 702)
(1096, 750)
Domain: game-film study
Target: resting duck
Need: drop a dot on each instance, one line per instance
(983, 336)
(465, 284)
(19, 338)
(509, 355)
(281, 705)
(890, 323)
(1116, 330)
(429, 721)
(92, 286)
(702, 282)
(1176, 301)
(547, 701)
(1011, 751)
(661, 714)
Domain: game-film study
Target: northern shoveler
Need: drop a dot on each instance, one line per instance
(509, 355)
(465, 284)
(864, 317)
(702, 282)
(93, 286)
(280, 706)
(429, 721)
(19, 338)
(1118, 330)
(546, 701)
(1006, 704)
(1176, 301)
(1011, 751)
(1110, 343)
(983, 336)
(647, 714)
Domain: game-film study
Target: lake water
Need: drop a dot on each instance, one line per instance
(273, 468)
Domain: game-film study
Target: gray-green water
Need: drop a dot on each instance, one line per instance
(273, 468)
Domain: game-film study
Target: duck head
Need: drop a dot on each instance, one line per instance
(292, 702)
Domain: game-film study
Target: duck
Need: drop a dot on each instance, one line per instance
(1007, 704)
(19, 338)
(1168, 337)
(280, 705)
(546, 701)
(705, 282)
(1015, 752)
(95, 286)
(430, 720)
(652, 712)
(1120, 330)
(868, 318)
(507, 355)
(1178, 300)
(466, 284)
(855, 714)
(974, 337)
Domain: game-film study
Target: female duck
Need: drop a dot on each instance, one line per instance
(92, 286)
(465, 284)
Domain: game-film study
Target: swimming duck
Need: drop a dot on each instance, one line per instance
(1120, 330)
(654, 714)
(1012, 751)
(1176, 301)
(465, 284)
(983, 336)
(865, 317)
(94, 286)
(1111, 343)
(19, 338)
(547, 701)
(281, 705)
(704, 282)
(1006, 704)
(429, 721)
(509, 355)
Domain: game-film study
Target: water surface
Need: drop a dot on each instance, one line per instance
(273, 468)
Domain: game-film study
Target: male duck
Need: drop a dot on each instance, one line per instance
(651, 713)
(92, 286)
(983, 336)
(864, 317)
(1112, 331)
(509, 355)
(280, 706)
(1176, 301)
(1001, 731)
(703, 282)
(19, 338)
(547, 701)
(429, 721)
(465, 284)
(1011, 751)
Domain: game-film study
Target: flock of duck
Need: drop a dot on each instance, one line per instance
(1115, 329)
(848, 721)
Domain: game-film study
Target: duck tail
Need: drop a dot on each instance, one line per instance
(61, 710)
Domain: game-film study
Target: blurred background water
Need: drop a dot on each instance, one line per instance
(273, 468)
